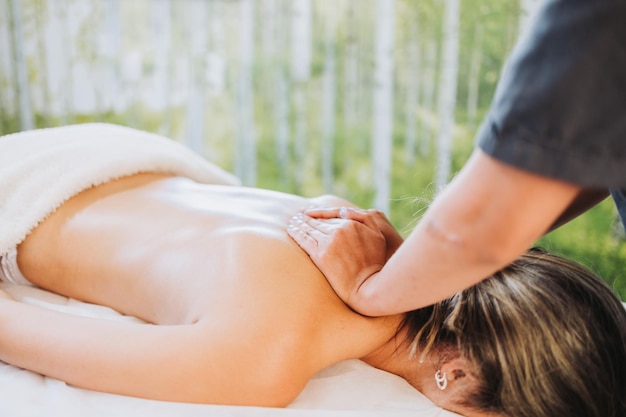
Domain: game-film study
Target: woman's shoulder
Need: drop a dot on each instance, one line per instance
(270, 365)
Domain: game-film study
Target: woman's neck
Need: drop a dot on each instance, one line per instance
(395, 357)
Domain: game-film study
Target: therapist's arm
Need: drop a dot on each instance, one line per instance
(486, 217)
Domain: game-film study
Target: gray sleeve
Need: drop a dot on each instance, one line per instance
(560, 106)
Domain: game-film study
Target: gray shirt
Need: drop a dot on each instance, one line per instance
(560, 106)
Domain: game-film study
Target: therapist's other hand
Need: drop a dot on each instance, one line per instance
(348, 245)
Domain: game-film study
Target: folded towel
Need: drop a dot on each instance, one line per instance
(41, 169)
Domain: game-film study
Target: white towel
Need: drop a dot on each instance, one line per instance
(41, 169)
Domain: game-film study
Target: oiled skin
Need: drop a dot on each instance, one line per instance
(242, 315)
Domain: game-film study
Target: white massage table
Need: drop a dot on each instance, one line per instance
(350, 388)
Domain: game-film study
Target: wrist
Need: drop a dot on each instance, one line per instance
(393, 246)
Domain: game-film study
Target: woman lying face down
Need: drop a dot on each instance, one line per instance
(240, 315)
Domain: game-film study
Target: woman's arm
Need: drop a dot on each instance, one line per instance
(185, 363)
(486, 217)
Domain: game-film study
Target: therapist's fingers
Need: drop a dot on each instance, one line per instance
(324, 213)
(348, 213)
(363, 216)
(374, 219)
(308, 232)
(371, 217)
(302, 238)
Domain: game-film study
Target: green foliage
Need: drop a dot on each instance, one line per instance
(8, 124)
(594, 240)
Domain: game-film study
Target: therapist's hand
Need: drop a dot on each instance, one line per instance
(375, 219)
(348, 245)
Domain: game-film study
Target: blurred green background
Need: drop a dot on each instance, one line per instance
(283, 92)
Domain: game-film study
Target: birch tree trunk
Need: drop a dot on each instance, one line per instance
(161, 11)
(269, 15)
(27, 120)
(269, 12)
(93, 51)
(329, 106)
(300, 73)
(69, 55)
(245, 151)
(111, 47)
(473, 86)
(383, 103)
(55, 61)
(216, 60)
(42, 62)
(280, 93)
(281, 121)
(429, 83)
(351, 70)
(7, 64)
(447, 93)
(198, 51)
(412, 87)
(7, 104)
(364, 105)
(299, 132)
(301, 53)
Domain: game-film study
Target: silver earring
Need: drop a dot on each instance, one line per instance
(441, 380)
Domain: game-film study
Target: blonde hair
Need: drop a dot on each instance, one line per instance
(545, 337)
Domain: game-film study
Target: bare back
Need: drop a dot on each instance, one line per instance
(174, 252)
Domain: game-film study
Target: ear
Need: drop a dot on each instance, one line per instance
(458, 373)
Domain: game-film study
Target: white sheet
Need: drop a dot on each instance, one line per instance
(40, 169)
(350, 388)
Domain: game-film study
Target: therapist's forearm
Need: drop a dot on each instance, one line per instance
(417, 277)
(486, 218)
